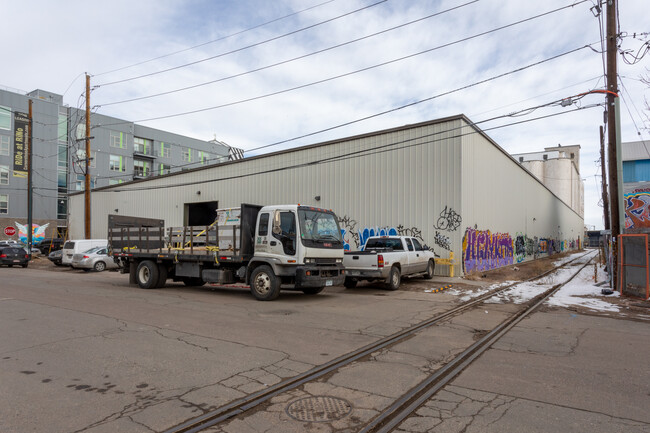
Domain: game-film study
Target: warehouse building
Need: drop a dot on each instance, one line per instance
(443, 181)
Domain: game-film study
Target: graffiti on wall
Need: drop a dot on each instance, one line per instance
(637, 209)
(355, 238)
(484, 250)
(38, 232)
(442, 241)
(349, 233)
(448, 220)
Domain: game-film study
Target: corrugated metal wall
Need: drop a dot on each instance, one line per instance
(504, 205)
(405, 180)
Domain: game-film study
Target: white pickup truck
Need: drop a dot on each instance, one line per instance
(388, 258)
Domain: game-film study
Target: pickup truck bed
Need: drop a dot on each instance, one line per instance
(387, 259)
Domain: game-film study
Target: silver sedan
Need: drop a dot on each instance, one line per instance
(96, 259)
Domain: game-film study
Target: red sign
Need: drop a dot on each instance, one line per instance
(10, 231)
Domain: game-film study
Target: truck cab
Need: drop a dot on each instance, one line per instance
(302, 246)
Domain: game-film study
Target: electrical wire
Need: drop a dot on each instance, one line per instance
(244, 48)
(284, 62)
(365, 152)
(215, 40)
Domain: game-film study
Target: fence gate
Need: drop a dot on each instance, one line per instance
(633, 265)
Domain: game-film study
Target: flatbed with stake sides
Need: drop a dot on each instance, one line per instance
(268, 248)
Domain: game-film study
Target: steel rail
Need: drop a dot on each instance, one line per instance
(237, 407)
(395, 414)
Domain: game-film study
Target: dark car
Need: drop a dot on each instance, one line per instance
(46, 246)
(13, 256)
(56, 257)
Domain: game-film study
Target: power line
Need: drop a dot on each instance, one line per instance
(246, 47)
(289, 60)
(356, 154)
(216, 40)
(419, 101)
(355, 72)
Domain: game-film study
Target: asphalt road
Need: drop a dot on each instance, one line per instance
(87, 352)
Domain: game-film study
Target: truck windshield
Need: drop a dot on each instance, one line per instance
(319, 229)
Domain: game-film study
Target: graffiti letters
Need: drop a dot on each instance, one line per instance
(443, 241)
(637, 210)
(349, 234)
(520, 248)
(483, 250)
(448, 220)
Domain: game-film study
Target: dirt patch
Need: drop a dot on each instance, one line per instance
(520, 271)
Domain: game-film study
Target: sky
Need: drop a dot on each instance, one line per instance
(287, 73)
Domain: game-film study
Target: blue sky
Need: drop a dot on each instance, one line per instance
(67, 38)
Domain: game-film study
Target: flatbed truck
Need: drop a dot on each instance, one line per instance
(264, 248)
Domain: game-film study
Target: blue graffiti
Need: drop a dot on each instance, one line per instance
(375, 231)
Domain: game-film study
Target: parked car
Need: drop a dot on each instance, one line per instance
(13, 256)
(9, 243)
(46, 246)
(55, 257)
(73, 247)
(95, 259)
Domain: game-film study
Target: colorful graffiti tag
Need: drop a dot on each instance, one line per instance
(38, 232)
(483, 250)
(637, 209)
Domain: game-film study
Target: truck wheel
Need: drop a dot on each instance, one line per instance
(312, 290)
(146, 274)
(264, 284)
(431, 266)
(99, 266)
(394, 278)
(350, 283)
(162, 275)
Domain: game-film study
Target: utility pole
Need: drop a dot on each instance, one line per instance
(87, 177)
(603, 161)
(612, 97)
(30, 198)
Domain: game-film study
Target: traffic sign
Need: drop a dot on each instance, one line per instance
(10, 231)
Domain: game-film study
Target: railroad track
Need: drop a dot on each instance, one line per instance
(409, 402)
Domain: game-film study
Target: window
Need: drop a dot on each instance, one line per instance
(4, 145)
(62, 156)
(409, 245)
(62, 181)
(521, 159)
(141, 168)
(204, 157)
(80, 184)
(164, 150)
(115, 163)
(142, 145)
(164, 169)
(264, 225)
(287, 235)
(4, 204)
(4, 175)
(5, 118)
(417, 245)
(63, 127)
(115, 181)
(117, 140)
(62, 208)
(187, 155)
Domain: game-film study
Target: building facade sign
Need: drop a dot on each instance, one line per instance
(21, 129)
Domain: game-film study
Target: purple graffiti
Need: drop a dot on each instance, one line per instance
(483, 250)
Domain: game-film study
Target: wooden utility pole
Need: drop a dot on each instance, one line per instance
(603, 162)
(87, 164)
(612, 96)
(30, 197)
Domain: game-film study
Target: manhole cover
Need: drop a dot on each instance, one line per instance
(318, 409)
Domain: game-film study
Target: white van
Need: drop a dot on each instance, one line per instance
(70, 248)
